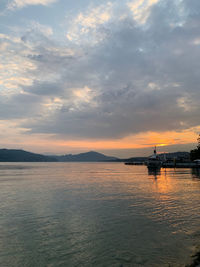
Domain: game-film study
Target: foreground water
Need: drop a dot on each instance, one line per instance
(97, 214)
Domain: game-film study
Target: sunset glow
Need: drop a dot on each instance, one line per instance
(99, 76)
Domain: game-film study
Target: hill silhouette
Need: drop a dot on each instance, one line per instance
(17, 155)
(90, 156)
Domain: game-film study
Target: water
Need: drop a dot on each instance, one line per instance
(97, 214)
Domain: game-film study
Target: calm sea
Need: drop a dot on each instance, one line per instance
(97, 214)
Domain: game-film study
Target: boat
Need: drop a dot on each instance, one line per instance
(153, 161)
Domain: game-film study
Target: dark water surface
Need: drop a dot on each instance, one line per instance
(97, 214)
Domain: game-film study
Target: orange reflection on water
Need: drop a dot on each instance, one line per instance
(163, 181)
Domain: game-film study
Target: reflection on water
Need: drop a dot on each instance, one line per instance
(154, 172)
(97, 214)
(196, 172)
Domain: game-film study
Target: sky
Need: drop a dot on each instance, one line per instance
(113, 76)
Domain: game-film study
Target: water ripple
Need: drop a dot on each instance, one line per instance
(66, 214)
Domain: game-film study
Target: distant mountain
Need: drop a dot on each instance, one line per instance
(91, 156)
(183, 155)
(15, 155)
(177, 155)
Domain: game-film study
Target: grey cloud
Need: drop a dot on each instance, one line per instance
(141, 78)
(20, 106)
(44, 89)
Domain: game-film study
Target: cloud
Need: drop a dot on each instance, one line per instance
(14, 4)
(141, 9)
(85, 25)
(43, 29)
(133, 80)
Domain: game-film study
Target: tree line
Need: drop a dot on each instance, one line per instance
(195, 153)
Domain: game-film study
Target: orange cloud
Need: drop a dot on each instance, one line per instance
(12, 136)
(142, 140)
